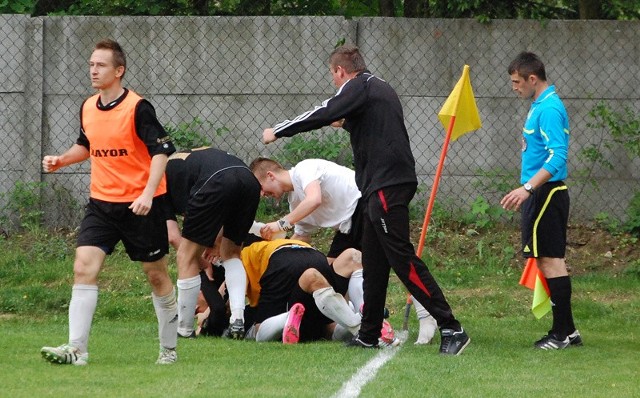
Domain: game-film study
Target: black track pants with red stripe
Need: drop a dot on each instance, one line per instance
(386, 244)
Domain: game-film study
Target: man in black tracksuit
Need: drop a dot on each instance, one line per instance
(370, 110)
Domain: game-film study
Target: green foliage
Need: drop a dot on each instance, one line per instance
(482, 10)
(335, 147)
(624, 131)
(24, 201)
(193, 134)
(632, 225)
(270, 209)
(607, 222)
(17, 6)
(633, 269)
(483, 215)
(131, 7)
(495, 180)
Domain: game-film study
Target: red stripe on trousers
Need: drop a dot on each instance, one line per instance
(413, 277)
(383, 200)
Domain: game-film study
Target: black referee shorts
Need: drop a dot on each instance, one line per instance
(544, 221)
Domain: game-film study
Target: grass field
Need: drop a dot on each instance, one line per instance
(481, 286)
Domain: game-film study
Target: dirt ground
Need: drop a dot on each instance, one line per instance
(591, 249)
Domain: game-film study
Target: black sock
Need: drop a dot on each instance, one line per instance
(560, 289)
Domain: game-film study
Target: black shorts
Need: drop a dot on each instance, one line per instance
(352, 239)
(227, 199)
(544, 221)
(280, 289)
(144, 237)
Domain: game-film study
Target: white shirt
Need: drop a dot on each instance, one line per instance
(339, 195)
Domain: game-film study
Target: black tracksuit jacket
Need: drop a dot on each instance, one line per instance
(375, 121)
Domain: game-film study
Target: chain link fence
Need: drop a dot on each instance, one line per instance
(222, 80)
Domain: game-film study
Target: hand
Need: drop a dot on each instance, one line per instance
(269, 230)
(514, 199)
(268, 136)
(141, 206)
(338, 123)
(50, 163)
(211, 255)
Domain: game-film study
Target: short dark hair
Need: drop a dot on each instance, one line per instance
(260, 166)
(527, 64)
(119, 59)
(349, 58)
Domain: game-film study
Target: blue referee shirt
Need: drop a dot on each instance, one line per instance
(545, 137)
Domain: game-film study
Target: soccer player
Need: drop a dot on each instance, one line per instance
(321, 194)
(128, 149)
(213, 190)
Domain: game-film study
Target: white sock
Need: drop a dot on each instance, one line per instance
(84, 299)
(188, 290)
(271, 328)
(340, 333)
(428, 325)
(236, 280)
(167, 314)
(333, 306)
(355, 292)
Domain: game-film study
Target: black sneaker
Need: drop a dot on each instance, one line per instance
(551, 342)
(575, 339)
(453, 342)
(235, 331)
(356, 342)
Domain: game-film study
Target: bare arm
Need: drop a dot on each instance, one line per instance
(142, 205)
(515, 198)
(75, 154)
(312, 200)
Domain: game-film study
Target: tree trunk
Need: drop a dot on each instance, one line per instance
(386, 8)
(411, 8)
(201, 7)
(44, 7)
(589, 9)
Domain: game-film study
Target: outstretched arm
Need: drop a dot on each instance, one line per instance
(75, 154)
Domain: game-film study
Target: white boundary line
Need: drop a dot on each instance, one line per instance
(353, 387)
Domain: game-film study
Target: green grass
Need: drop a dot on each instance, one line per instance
(480, 282)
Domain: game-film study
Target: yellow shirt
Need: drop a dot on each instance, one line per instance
(255, 259)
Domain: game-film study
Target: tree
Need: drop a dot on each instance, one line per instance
(386, 8)
(253, 7)
(483, 10)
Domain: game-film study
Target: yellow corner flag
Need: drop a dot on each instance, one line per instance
(460, 108)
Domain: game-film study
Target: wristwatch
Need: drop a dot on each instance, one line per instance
(528, 187)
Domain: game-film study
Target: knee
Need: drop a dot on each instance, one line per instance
(312, 280)
(85, 273)
(348, 262)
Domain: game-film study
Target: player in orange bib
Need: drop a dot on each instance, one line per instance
(128, 149)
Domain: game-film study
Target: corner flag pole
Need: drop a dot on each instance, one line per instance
(461, 97)
(434, 189)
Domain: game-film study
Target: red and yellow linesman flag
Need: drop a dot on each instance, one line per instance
(460, 109)
(533, 279)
